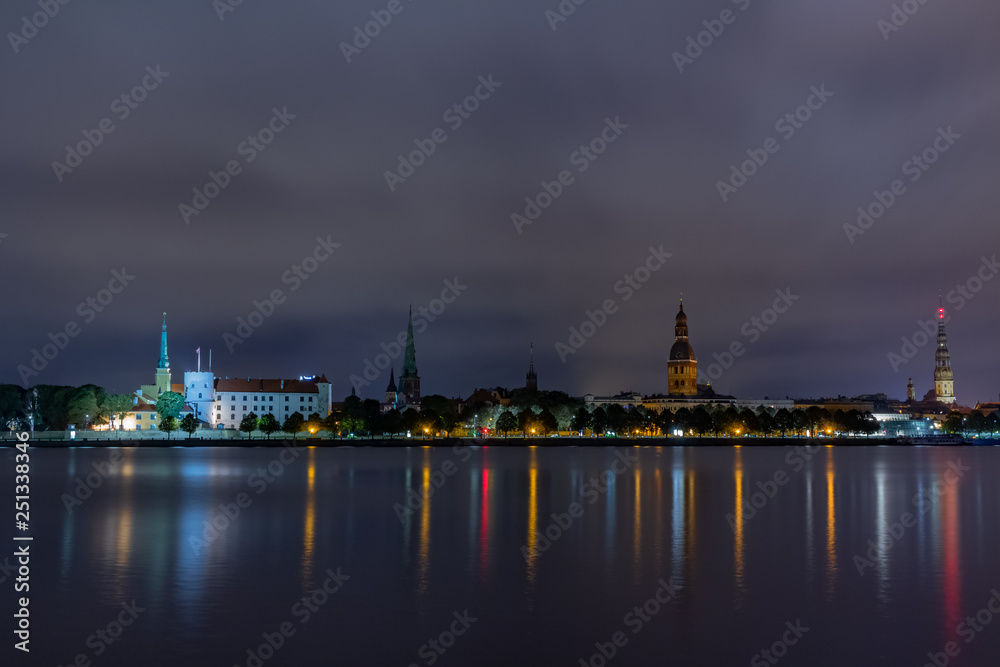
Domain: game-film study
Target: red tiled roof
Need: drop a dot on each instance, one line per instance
(268, 385)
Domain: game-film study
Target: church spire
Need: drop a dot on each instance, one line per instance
(410, 358)
(944, 379)
(531, 380)
(164, 361)
(409, 381)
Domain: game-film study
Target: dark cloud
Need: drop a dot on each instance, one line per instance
(324, 176)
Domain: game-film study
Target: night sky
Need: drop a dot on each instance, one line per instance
(550, 92)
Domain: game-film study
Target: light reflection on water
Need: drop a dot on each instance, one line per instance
(476, 544)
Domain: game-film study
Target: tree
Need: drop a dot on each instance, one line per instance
(663, 421)
(428, 422)
(392, 422)
(411, 420)
(954, 422)
(526, 421)
(976, 422)
(249, 424)
(294, 423)
(682, 420)
(546, 422)
(373, 417)
(599, 421)
(617, 419)
(31, 410)
(169, 404)
(701, 421)
(800, 420)
(750, 421)
(189, 425)
(353, 415)
(506, 422)
(10, 402)
(783, 420)
(82, 407)
(581, 420)
(168, 425)
(268, 425)
(444, 408)
(119, 405)
(993, 422)
(314, 423)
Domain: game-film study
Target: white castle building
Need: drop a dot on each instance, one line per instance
(222, 403)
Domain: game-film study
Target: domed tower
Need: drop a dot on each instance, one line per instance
(682, 367)
(944, 379)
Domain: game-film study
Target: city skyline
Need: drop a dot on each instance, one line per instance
(399, 351)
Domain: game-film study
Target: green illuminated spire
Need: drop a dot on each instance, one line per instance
(164, 362)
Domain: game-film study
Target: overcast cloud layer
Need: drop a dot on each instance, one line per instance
(324, 176)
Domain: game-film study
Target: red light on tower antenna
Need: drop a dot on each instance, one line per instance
(941, 313)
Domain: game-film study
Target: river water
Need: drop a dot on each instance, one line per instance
(510, 556)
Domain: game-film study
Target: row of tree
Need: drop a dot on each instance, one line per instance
(974, 423)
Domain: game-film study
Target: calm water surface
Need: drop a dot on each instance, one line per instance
(824, 553)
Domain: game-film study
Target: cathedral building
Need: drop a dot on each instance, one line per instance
(407, 395)
(682, 366)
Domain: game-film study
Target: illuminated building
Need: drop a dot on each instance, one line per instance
(944, 379)
(682, 367)
(409, 381)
